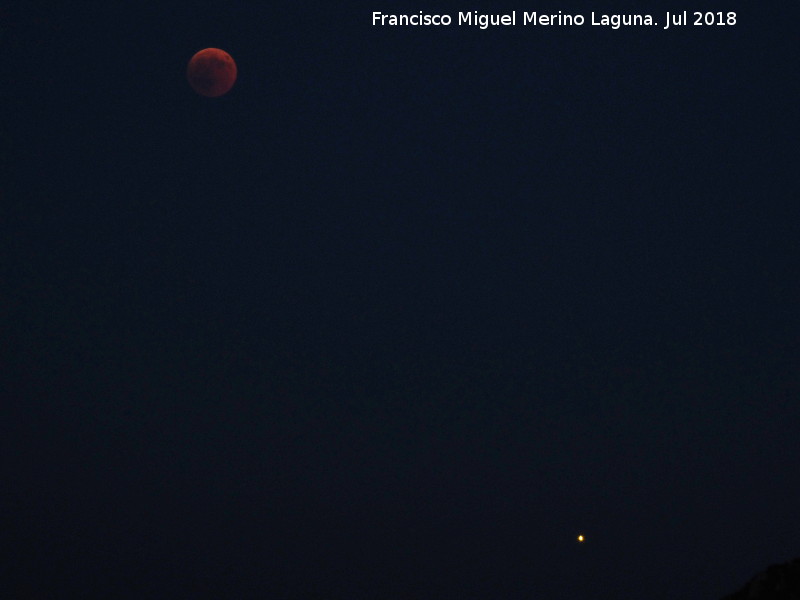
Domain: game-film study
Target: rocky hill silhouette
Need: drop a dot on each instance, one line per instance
(778, 582)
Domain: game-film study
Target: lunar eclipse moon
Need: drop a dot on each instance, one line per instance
(211, 72)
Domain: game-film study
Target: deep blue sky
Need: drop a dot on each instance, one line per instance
(404, 312)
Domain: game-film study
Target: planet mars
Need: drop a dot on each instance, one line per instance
(211, 72)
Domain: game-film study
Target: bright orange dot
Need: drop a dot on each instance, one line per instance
(581, 538)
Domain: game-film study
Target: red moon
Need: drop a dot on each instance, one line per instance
(211, 72)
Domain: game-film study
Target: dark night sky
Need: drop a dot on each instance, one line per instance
(404, 312)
